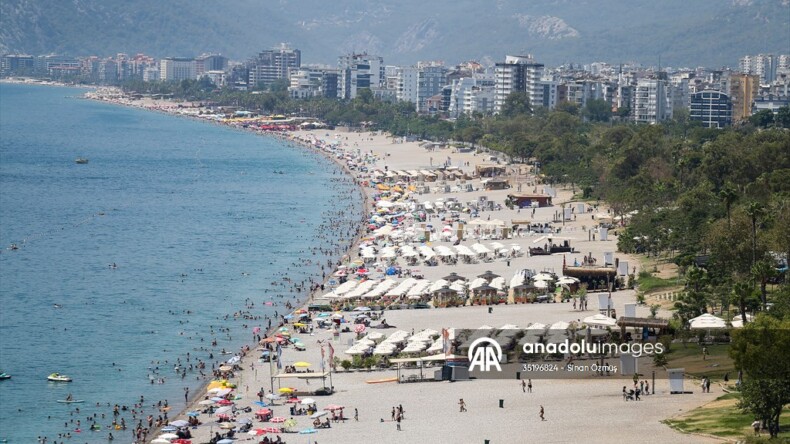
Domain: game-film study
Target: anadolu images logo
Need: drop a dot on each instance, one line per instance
(485, 353)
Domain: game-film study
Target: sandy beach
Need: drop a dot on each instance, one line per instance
(590, 409)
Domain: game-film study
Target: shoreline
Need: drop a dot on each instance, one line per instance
(293, 142)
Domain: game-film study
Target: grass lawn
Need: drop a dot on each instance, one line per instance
(652, 283)
(715, 365)
(723, 418)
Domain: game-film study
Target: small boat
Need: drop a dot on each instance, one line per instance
(71, 401)
(81, 160)
(57, 377)
(4, 376)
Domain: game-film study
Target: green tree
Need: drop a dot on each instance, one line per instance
(782, 117)
(728, 195)
(762, 119)
(516, 103)
(755, 210)
(759, 350)
(762, 271)
(597, 110)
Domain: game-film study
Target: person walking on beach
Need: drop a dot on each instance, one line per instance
(462, 405)
(524, 386)
(356, 414)
(529, 386)
(393, 413)
(541, 414)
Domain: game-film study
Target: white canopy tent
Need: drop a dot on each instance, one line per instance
(707, 322)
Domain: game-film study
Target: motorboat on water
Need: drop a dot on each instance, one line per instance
(4, 375)
(57, 377)
(81, 160)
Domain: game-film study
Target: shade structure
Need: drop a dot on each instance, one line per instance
(452, 277)
(488, 275)
(707, 322)
(599, 320)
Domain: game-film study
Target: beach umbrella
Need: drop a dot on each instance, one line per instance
(286, 390)
(222, 410)
(256, 432)
(225, 402)
(319, 414)
(193, 414)
(169, 429)
(305, 431)
(290, 423)
(272, 430)
(206, 402)
(302, 364)
(160, 441)
(273, 396)
(227, 425)
(225, 368)
(333, 407)
(307, 401)
(244, 421)
(263, 412)
(277, 419)
(179, 423)
(225, 441)
(168, 436)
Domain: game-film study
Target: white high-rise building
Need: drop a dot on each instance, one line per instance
(763, 65)
(408, 84)
(359, 71)
(517, 74)
(651, 101)
(177, 69)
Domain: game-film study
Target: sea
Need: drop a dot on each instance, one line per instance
(123, 265)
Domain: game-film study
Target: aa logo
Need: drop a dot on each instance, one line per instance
(485, 353)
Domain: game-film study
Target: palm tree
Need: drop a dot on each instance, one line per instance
(754, 210)
(742, 291)
(728, 196)
(762, 271)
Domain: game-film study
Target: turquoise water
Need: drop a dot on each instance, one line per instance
(191, 215)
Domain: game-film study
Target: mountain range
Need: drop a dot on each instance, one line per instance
(710, 33)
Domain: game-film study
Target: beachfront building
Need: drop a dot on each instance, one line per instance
(651, 104)
(468, 95)
(431, 78)
(712, 108)
(274, 64)
(16, 64)
(579, 92)
(177, 69)
(407, 84)
(210, 62)
(518, 74)
(357, 71)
